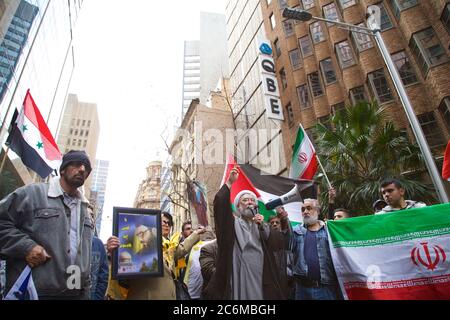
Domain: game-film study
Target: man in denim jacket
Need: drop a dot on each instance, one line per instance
(313, 268)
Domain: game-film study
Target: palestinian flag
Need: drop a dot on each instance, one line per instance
(304, 160)
(268, 187)
(32, 141)
(446, 166)
(403, 255)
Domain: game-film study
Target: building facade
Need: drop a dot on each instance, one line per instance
(80, 130)
(149, 192)
(191, 74)
(322, 68)
(37, 56)
(199, 154)
(98, 189)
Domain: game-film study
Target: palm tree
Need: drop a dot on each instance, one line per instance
(7, 183)
(361, 148)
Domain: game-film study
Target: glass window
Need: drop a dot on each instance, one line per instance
(296, 62)
(308, 4)
(399, 5)
(362, 41)
(303, 96)
(346, 3)
(84, 123)
(380, 86)
(315, 84)
(330, 12)
(288, 28)
(345, 54)
(386, 22)
(427, 49)
(445, 18)
(329, 75)
(404, 67)
(337, 108)
(325, 121)
(76, 132)
(444, 108)
(290, 114)
(276, 44)
(357, 95)
(317, 32)
(89, 123)
(431, 130)
(84, 143)
(87, 133)
(283, 78)
(305, 46)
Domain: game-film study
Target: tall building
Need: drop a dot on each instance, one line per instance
(189, 151)
(37, 56)
(80, 130)
(321, 67)
(166, 185)
(251, 103)
(205, 61)
(148, 195)
(98, 189)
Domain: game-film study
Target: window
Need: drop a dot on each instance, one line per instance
(386, 22)
(273, 22)
(346, 3)
(308, 4)
(427, 49)
(89, 123)
(328, 73)
(445, 18)
(317, 32)
(71, 131)
(431, 130)
(345, 54)
(315, 84)
(357, 95)
(79, 143)
(325, 121)
(338, 108)
(81, 133)
(87, 133)
(283, 78)
(290, 114)
(84, 123)
(444, 108)
(330, 12)
(78, 122)
(276, 44)
(296, 62)
(303, 97)
(404, 67)
(76, 132)
(400, 5)
(74, 142)
(380, 86)
(84, 143)
(362, 41)
(305, 46)
(288, 28)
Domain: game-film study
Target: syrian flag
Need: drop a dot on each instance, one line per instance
(32, 141)
(267, 187)
(24, 288)
(304, 160)
(446, 166)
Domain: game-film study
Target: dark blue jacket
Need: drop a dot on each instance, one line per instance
(99, 270)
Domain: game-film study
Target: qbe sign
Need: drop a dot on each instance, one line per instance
(271, 92)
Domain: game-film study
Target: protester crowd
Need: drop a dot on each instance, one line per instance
(50, 226)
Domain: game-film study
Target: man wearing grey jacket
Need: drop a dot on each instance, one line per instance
(48, 227)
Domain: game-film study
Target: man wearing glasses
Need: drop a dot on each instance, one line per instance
(313, 267)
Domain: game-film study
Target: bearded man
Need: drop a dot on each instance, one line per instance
(313, 269)
(246, 268)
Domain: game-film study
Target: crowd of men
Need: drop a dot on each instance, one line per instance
(50, 227)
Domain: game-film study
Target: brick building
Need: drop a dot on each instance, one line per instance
(321, 68)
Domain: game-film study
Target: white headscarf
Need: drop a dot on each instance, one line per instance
(239, 196)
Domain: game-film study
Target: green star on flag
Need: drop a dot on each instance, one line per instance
(40, 145)
(24, 128)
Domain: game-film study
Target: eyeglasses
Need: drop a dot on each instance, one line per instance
(166, 222)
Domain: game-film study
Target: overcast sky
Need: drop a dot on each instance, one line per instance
(129, 57)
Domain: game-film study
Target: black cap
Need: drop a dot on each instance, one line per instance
(76, 156)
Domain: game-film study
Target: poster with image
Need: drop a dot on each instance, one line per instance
(140, 251)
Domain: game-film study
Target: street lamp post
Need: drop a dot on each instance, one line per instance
(375, 31)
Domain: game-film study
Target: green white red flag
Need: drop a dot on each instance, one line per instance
(304, 162)
(397, 256)
(267, 187)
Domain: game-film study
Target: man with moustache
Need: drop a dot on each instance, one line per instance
(48, 227)
(313, 267)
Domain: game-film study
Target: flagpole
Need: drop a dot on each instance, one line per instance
(323, 170)
(4, 160)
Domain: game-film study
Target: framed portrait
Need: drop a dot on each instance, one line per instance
(140, 251)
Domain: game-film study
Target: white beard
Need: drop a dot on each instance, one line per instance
(310, 221)
(247, 213)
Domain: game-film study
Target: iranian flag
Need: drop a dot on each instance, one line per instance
(304, 160)
(397, 256)
(32, 141)
(446, 166)
(267, 187)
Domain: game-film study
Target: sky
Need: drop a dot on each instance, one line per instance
(129, 61)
